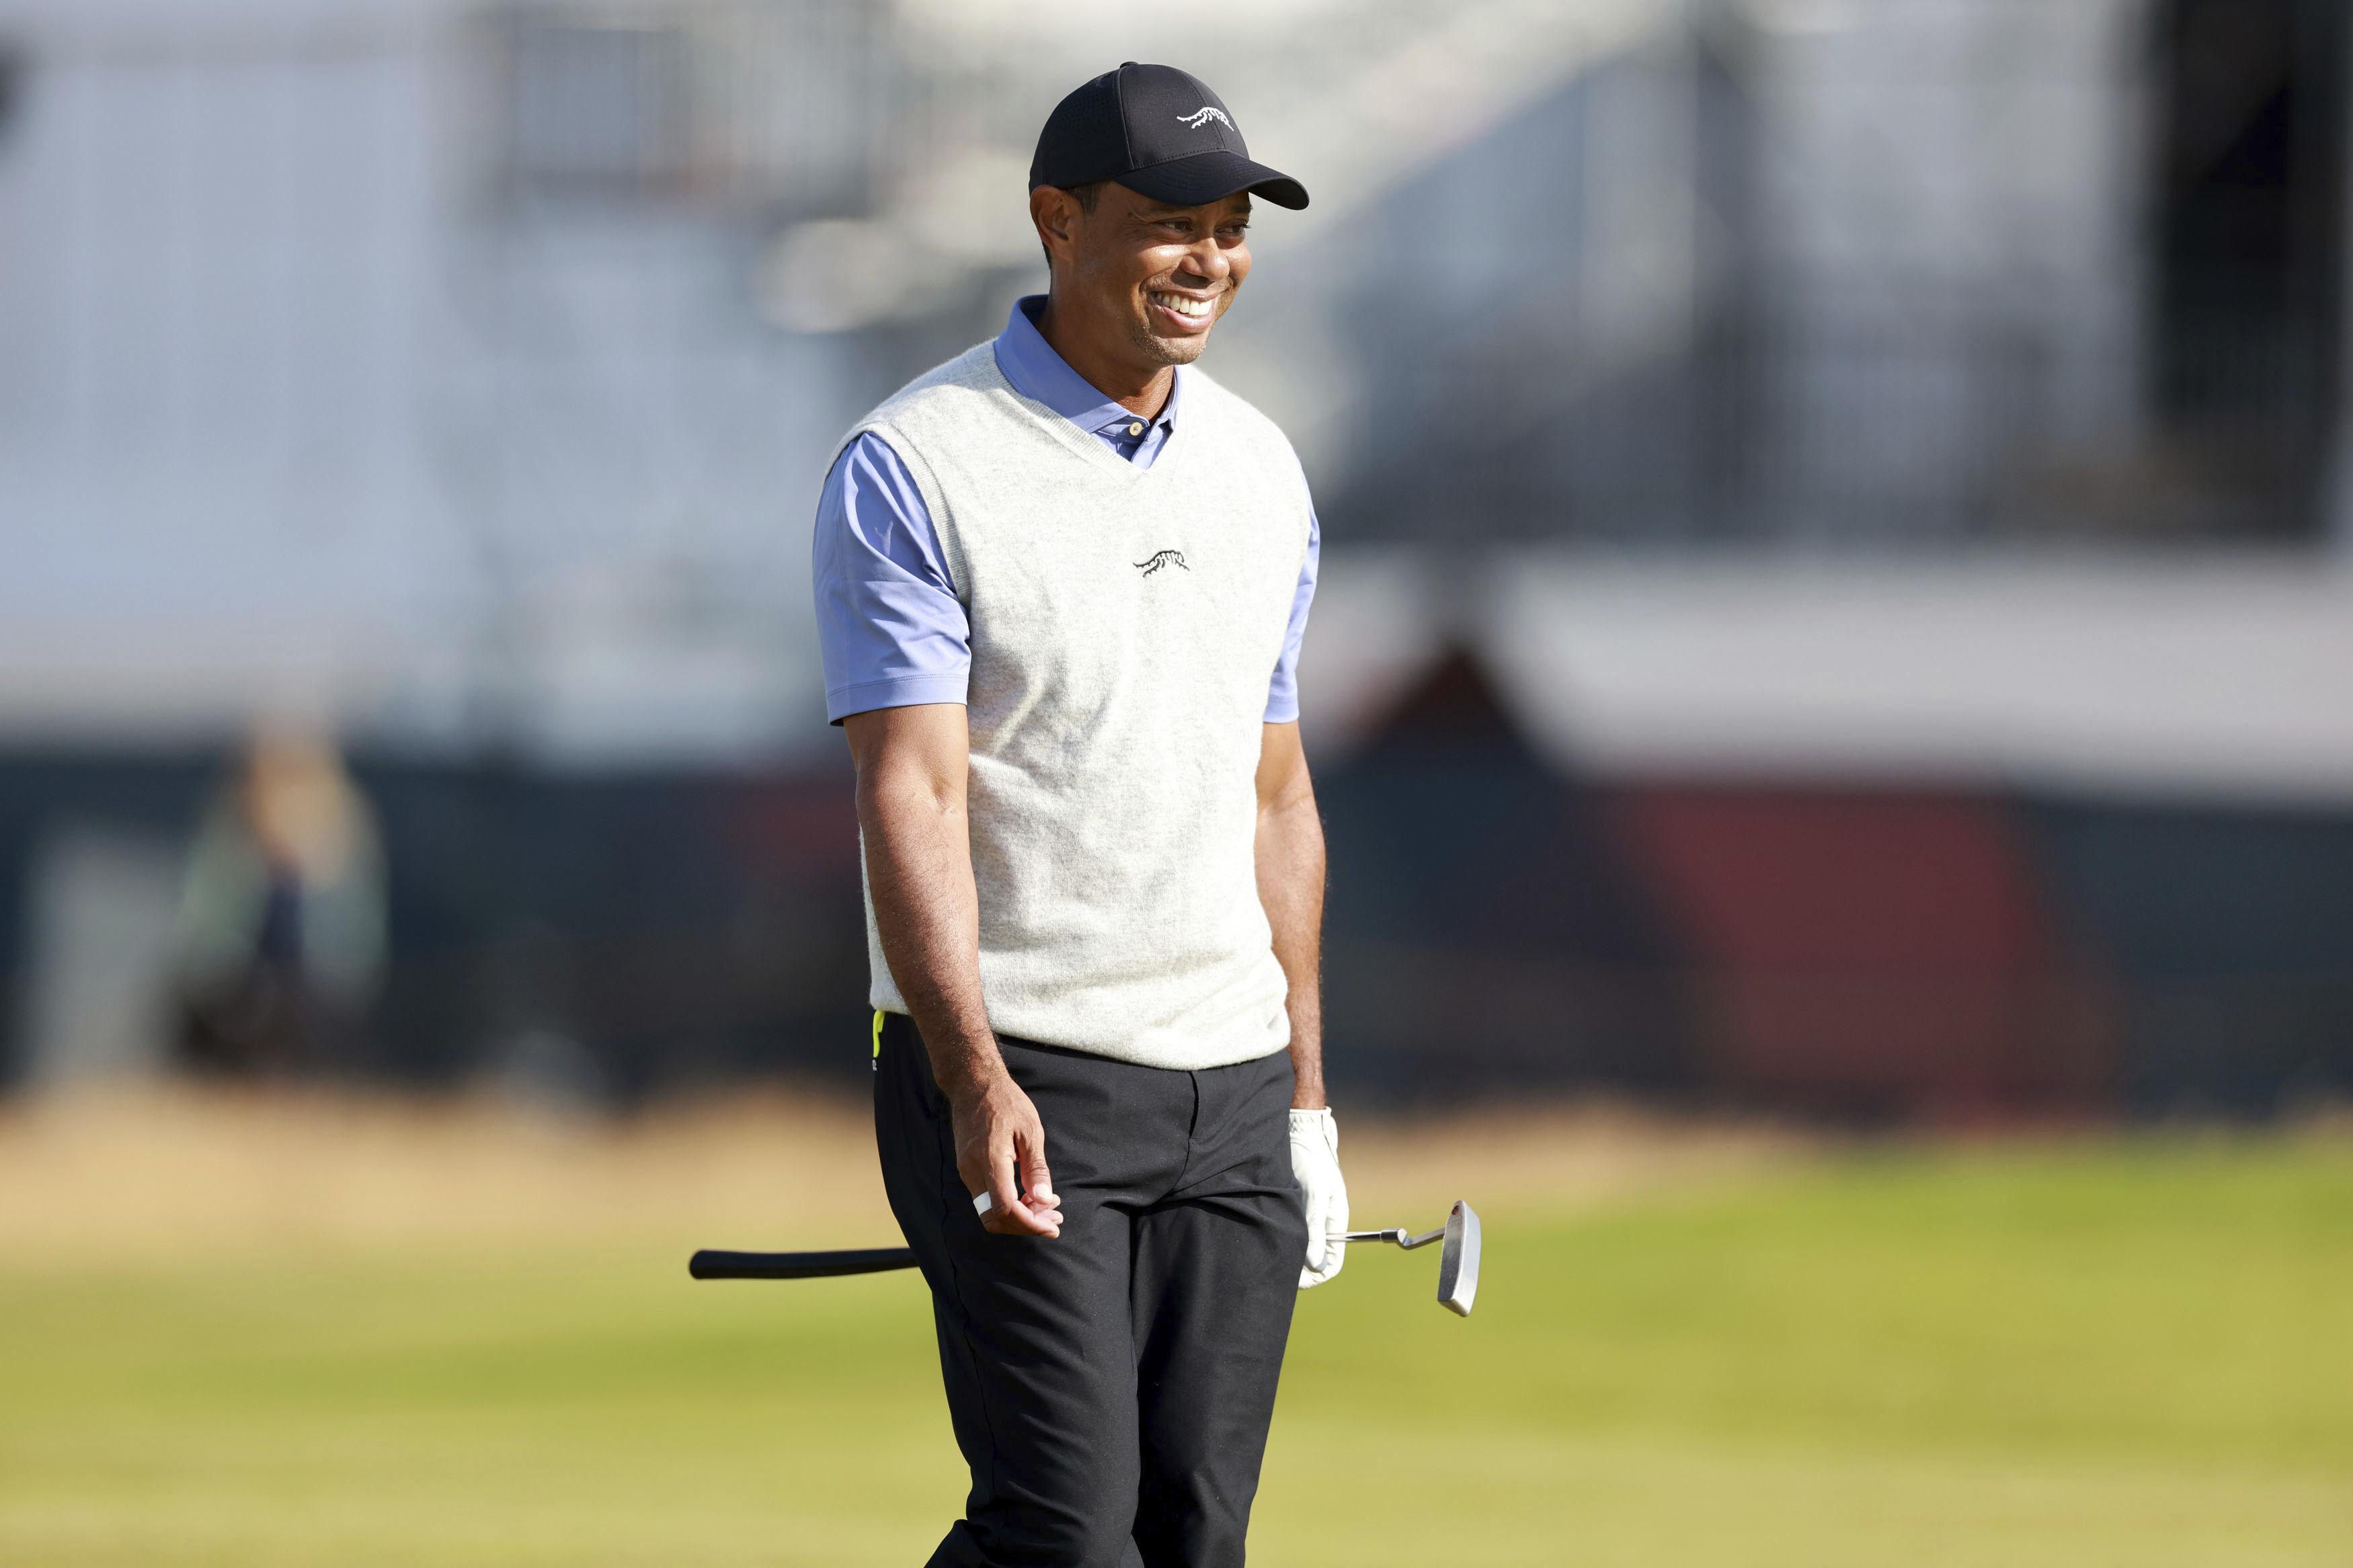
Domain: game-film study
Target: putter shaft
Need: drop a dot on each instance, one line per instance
(1403, 1237)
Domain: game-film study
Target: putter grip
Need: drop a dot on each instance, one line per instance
(712, 1265)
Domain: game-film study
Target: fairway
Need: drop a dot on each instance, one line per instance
(2089, 1353)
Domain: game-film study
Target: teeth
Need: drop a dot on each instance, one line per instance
(1183, 306)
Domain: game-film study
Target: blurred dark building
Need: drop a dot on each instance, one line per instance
(1887, 953)
(1878, 954)
(2225, 941)
(1496, 927)
(2248, 234)
(1485, 931)
(623, 935)
(599, 939)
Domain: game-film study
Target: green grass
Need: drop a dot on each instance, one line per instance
(2136, 1355)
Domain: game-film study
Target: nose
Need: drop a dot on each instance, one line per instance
(1207, 259)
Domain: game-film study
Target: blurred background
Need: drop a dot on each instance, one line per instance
(1841, 551)
(1841, 541)
(1837, 618)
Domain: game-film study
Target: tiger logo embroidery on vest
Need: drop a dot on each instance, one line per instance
(1163, 557)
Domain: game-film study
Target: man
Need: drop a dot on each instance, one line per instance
(1061, 582)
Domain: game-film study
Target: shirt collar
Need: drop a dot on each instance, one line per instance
(1037, 373)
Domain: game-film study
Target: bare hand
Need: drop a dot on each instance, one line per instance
(1001, 1149)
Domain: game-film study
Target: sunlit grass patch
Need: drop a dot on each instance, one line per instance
(2093, 1352)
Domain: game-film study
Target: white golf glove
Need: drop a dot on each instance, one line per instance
(1315, 1161)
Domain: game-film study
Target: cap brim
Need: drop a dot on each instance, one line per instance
(1212, 177)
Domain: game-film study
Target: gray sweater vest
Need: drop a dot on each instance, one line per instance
(1124, 625)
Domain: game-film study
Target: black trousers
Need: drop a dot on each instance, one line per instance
(1110, 1388)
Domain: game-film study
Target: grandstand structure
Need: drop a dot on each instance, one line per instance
(1933, 399)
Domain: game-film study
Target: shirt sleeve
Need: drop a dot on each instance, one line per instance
(1282, 693)
(889, 624)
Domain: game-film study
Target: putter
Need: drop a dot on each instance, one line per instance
(1458, 1262)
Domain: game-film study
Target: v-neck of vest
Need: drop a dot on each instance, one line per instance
(1083, 443)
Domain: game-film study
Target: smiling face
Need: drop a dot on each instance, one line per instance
(1137, 283)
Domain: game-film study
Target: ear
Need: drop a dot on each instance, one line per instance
(1056, 214)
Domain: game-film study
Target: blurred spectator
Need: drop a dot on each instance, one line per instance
(281, 919)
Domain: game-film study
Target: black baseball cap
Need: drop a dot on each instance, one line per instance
(1159, 131)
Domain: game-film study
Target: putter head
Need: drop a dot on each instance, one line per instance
(1458, 1261)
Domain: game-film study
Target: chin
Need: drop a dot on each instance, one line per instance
(1171, 351)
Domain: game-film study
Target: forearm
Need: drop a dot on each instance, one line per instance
(1290, 889)
(919, 871)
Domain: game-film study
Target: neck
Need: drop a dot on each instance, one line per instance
(1093, 349)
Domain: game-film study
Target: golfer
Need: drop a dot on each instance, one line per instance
(1061, 582)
